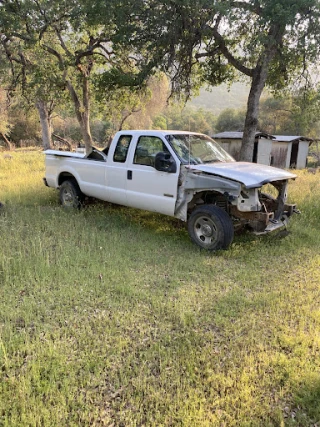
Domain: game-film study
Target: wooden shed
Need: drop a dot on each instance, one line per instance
(231, 142)
(281, 151)
(290, 151)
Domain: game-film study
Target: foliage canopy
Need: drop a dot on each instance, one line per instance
(270, 42)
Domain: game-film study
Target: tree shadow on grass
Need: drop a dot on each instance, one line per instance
(307, 403)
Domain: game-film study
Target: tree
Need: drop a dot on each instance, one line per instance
(32, 77)
(276, 116)
(133, 107)
(269, 42)
(59, 35)
(25, 127)
(230, 120)
(4, 119)
(294, 114)
(180, 117)
(152, 101)
(306, 112)
(53, 46)
(5, 126)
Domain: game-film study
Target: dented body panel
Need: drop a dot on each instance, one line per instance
(252, 175)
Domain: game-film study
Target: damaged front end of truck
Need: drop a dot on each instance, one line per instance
(271, 211)
(254, 196)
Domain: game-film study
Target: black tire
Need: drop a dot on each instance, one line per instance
(211, 228)
(70, 194)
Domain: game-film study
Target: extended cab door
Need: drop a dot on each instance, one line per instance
(116, 179)
(148, 188)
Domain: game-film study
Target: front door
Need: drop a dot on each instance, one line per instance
(148, 188)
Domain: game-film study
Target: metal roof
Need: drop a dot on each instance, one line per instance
(291, 138)
(280, 138)
(239, 135)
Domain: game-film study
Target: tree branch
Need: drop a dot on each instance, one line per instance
(222, 48)
(55, 53)
(62, 43)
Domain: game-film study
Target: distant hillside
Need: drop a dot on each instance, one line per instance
(220, 98)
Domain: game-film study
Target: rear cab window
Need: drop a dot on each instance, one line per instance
(121, 151)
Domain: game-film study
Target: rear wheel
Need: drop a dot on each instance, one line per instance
(211, 228)
(70, 194)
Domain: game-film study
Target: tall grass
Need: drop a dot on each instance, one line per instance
(112, 317)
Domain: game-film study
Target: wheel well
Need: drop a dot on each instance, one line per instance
(209, 198)
(64, 176)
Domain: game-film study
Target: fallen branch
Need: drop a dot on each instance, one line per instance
(63, 140)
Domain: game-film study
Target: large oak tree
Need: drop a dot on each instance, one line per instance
(267, 41)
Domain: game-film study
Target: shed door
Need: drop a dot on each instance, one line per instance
(264, 151)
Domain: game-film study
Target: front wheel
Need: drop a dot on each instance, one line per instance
(70, 194)
(211, 228)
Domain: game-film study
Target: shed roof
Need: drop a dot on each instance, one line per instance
(239, 135)
(280, 138)
(292, 138)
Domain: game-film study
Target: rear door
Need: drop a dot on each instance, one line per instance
(116, 178)
(148, 188)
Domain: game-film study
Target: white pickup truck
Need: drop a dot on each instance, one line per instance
(181, 174)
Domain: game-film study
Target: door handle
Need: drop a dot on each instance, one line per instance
(129, 174)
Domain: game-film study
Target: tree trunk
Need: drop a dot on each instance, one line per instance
(45, 124)
(258, 81)
(86, 132)
(6, 141)
(251, 122)
(87, 138)
(82, 113)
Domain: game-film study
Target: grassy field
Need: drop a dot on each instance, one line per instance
(112, 317)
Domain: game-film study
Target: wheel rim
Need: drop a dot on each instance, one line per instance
(68, 197)
(205, 230)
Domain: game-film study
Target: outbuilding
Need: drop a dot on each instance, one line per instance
(232, 141)
(276, 150)
(290, 151)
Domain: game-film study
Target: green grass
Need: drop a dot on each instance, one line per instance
(112, 317)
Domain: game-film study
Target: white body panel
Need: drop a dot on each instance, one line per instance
(91, 176)
(152, 190)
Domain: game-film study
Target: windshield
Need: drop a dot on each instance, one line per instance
(197, 149)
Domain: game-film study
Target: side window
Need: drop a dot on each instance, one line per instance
(121, 151)
(146, 150)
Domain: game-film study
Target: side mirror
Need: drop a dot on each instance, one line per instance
(164, 162)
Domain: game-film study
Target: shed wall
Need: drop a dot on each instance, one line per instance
(232, 146)
(302, 154)
(271, 152)
(280, 154)
(264, 151)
